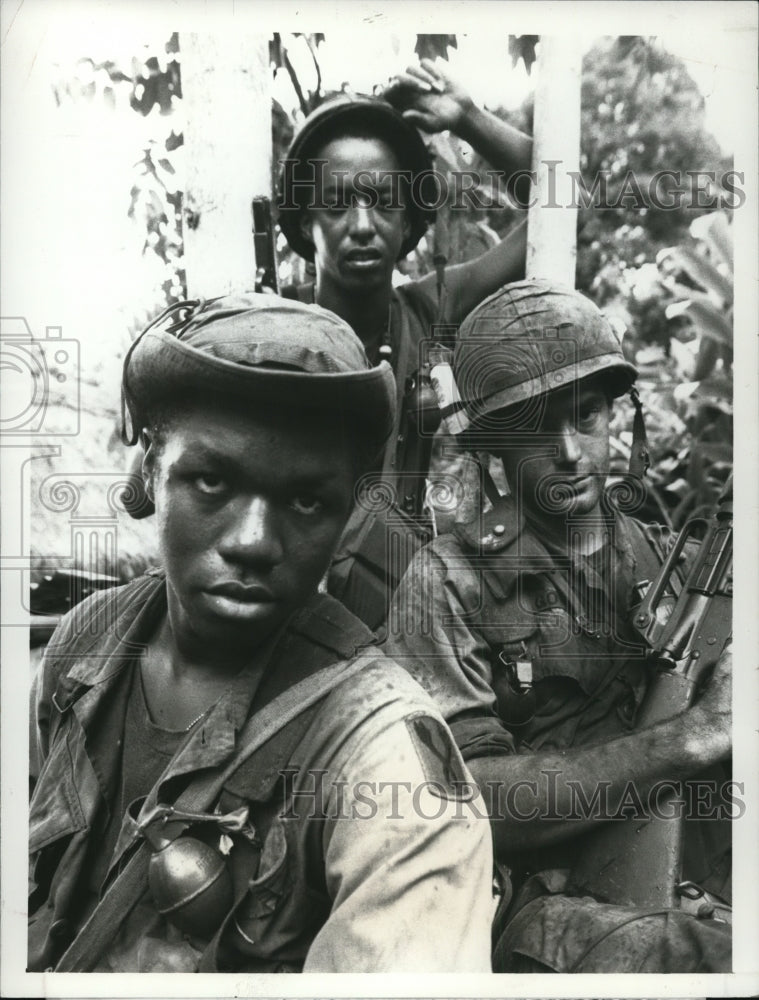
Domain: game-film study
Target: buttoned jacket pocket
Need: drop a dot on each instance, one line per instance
(280, 913)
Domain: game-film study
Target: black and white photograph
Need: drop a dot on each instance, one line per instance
(379, 441)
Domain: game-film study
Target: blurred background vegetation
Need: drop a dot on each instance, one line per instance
(664, 276)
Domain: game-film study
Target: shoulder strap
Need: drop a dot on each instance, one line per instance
(402, 364)
(494, 530)
(328, 623)
(319, 633)
(261, 727)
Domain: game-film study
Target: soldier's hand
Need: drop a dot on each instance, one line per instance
(428, 96)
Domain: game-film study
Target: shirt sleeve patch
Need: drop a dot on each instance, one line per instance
(440, 759)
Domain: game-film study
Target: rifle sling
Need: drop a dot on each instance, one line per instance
(393, 463)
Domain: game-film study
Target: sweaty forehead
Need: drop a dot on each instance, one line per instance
(308, 439)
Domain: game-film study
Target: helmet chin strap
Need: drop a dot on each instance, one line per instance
(455, 421)
(640, 459)
(639, 456)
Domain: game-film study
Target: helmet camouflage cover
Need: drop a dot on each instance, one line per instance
(530, 338)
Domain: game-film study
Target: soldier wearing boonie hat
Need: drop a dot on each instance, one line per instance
(234, 778)
(300, 357)
(357, 194)
(518, 624)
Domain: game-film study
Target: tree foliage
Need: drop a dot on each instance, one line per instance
(147, 83)
(641, 114)
(666, 273)
(696, 280)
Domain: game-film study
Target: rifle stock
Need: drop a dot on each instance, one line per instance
(635, 861)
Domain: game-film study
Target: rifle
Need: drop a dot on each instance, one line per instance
(264, 246)
(636, 862)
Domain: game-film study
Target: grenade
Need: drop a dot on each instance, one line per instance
(422, 403)
(191, 885)
(188, 879)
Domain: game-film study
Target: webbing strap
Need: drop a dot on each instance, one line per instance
(391, 464)
(122, 896)
(440, 254)
(639, 457)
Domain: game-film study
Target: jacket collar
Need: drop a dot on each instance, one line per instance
(109, 632)
(528, 555)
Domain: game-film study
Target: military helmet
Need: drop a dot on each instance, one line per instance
(527, 339)
(360, 115)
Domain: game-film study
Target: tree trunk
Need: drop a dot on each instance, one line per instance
(226, 94)
(552, 221)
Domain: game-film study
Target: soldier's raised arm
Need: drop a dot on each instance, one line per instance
(431, 97)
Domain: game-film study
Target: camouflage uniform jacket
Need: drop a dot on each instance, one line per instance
(398, 879)
(525, 650)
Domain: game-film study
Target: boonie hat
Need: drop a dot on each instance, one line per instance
(254, 348)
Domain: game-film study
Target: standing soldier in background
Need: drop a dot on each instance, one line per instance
(356, 196)
(519, 625)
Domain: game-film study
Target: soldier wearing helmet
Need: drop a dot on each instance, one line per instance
(357, 194)
(206, 731)
(518, 625)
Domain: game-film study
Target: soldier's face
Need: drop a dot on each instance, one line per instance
(560, 469)
(249, 511)
(358, 235)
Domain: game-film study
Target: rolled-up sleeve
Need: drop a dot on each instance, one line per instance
(482, 736)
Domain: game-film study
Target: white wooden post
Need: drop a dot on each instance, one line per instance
(552, 221)
(226, 94)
